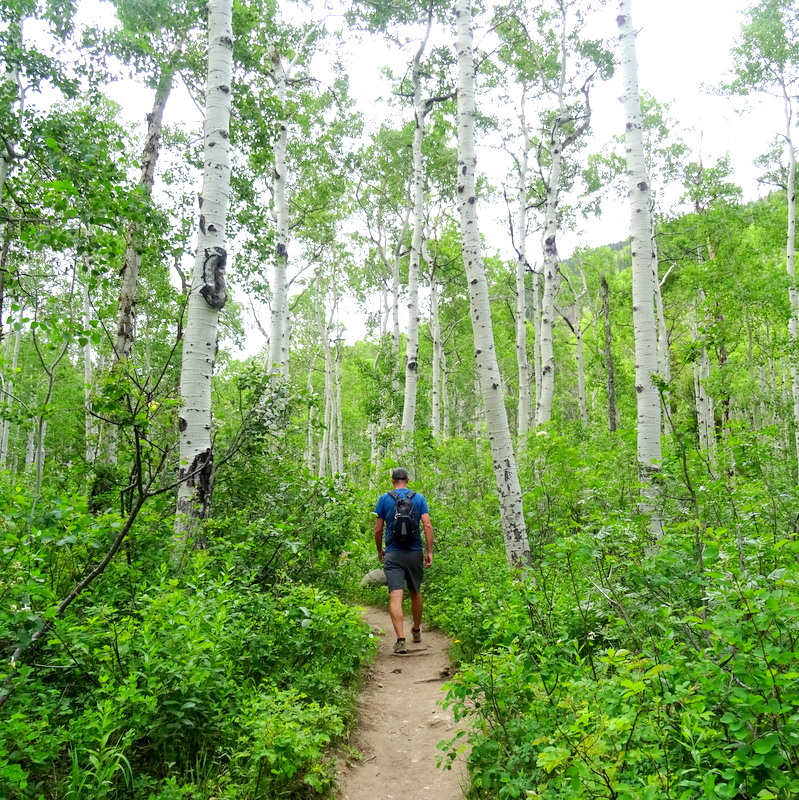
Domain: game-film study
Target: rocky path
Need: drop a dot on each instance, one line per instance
(401, 723)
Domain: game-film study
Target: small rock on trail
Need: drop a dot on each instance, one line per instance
(401, 722)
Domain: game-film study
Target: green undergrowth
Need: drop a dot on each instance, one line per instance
(621, 667)
(230, 680)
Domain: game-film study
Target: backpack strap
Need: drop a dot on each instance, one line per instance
(393, 494)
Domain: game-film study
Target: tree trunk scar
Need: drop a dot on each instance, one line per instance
(214, 291)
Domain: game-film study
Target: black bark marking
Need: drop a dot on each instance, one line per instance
(182, 424)
(226, 40)
(281, 251)
(201, 476)
(643, 186)
(474, 281)
(202, 220)
(214, 291)
(472, 201)
(224, 88)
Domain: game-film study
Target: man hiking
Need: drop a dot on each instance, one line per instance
(400, 513)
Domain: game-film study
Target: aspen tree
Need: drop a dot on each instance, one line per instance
(420, 111)
(767, 59)
(517, 548)
(522, 358)
(208, 293)
(544, 46)
(131, 264)
(644, 274)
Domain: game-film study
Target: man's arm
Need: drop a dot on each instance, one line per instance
(428, 537)
(379, 537)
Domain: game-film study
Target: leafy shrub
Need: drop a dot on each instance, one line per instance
(661, 677)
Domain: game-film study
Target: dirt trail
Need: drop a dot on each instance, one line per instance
(401, 722)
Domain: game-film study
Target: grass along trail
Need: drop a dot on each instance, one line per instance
(401, 722)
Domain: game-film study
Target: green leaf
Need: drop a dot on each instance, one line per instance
(764, 745)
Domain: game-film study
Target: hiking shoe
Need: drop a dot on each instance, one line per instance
(400, 647)
(417, 635)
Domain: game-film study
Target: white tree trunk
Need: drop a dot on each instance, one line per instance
(339, 413)
(207, 294)
(517, 548)
(13, 89)
(536, 336)
(644, 266)
(412, 341)
(522, 357)
(132, 259)
(278, 337)
(10, 85)
(546, 323)
(8, 399)
(435, 330)
(446, 427)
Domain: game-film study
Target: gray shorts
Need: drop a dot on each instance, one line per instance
(403, 566)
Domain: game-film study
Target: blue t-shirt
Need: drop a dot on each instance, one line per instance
(385, 510)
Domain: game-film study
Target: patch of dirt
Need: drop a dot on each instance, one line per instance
(401, 722)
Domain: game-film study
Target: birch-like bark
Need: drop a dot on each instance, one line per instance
(339, 413)
(435, 330)
(446, 427)
(8, 398)
(208, 293)
(534, 276)
(13, 90)
(522, 357)
(644, 267)
(517, 548)
(420, 108)
(278, 337)
(131, 264)
(559, 140)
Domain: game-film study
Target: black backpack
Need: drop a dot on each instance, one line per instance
(406, 527)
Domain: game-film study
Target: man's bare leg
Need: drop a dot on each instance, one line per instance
(416, 609)
(395, 612)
